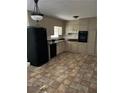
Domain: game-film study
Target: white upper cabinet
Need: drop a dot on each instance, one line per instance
(72, 27)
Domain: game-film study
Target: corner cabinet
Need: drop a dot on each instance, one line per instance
(76, 47)
(72, 27)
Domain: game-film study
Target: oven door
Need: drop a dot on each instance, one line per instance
(82, 36)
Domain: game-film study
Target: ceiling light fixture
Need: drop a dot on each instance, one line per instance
(36, 15)
(75, 17)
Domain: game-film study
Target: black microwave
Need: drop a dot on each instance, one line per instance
(83, 36)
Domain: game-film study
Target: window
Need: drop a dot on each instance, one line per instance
(57, 32)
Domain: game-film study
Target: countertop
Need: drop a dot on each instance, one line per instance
(56, 41)
(76, 40)
(51, 41)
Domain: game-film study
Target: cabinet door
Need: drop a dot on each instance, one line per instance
(60, 47)
(75, 26)
(63, 46)
(82, 48)
(74, 47)
(66, 46)
(77, 47)
(72, 27)
(68, 28)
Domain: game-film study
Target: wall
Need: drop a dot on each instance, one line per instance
(92, 28)
(48, 23)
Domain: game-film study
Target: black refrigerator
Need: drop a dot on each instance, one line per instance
(37, 46)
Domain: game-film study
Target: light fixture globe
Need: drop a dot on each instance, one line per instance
(36, 15)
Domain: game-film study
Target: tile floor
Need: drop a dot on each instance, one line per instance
(66, 73)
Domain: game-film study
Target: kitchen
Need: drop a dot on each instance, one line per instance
(62, 53)
(67, 39)
(70, 41)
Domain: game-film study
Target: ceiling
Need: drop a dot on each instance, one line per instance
(66, 9)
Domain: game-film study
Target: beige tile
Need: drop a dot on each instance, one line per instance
(67, 82)
(91, 90)
(61, 89)
(66, 73)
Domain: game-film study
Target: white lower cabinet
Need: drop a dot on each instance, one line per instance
(60, 47)
(72, 46)
(76, 47)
